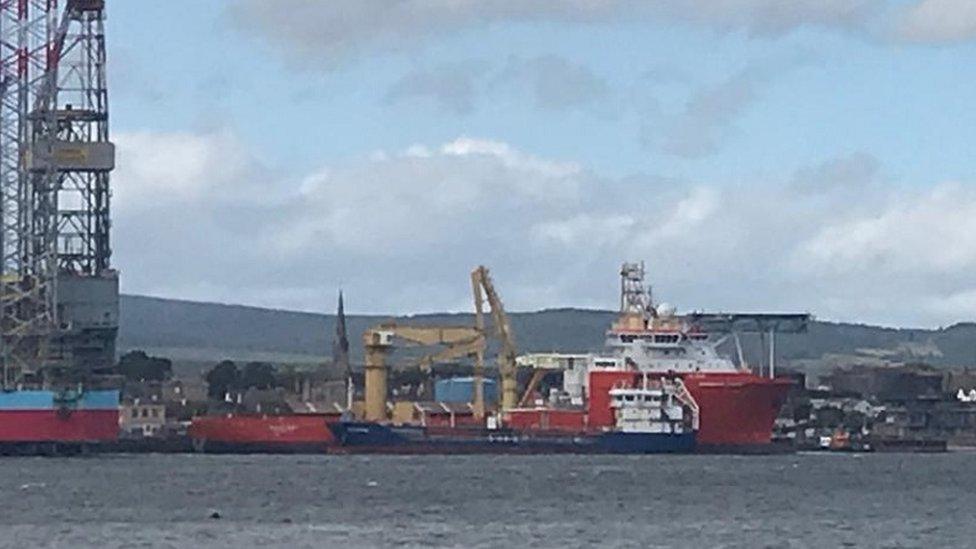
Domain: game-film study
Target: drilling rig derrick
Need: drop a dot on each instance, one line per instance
(58, 292)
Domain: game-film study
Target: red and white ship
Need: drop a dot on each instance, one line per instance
(662, 375)
(736, 406)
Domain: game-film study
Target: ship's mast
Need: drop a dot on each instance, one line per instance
(635, 299)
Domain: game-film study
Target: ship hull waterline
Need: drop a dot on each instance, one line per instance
(377, 438)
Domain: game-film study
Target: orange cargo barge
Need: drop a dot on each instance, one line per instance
(233, 433)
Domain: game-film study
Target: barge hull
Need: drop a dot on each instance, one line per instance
(261, 434)
(376, 438)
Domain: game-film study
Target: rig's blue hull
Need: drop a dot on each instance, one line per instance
(50, 400)
(38, 421)
(369, 437)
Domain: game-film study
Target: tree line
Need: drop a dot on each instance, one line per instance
(225, 377)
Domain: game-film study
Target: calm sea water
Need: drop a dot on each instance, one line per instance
(576, 501)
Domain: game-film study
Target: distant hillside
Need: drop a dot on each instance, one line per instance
(204, 332)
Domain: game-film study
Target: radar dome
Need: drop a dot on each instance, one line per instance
(665, 310)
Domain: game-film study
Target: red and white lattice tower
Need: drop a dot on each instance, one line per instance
(58, 294)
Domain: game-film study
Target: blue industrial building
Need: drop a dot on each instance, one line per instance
(461, 389)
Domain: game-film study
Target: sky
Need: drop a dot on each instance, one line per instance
(813, 155)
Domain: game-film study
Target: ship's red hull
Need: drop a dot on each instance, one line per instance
(75, 426)
(256, 433)
(736, 409)
(736, 412)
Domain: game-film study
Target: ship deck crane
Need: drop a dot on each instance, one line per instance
(484, 291)
(458, 341)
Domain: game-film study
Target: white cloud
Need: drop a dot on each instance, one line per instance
(328, 34)
(400, 204)
(959, 304)
(400, 230)
(156, 168)
(586, 229)
(938, 21)
(775, 16)
(853, 170)
(555, 82)
(707, 117)
(905, 257)
(332, 32)
(690, 213)
(510, 157)
(641, 227)
(922, 233)
(452, 87)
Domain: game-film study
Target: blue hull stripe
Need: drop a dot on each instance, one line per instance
(51, 400)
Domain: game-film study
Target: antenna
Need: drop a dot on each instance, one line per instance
(634, 298)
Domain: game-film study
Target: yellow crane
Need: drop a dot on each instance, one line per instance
(484, 291)
(458, 341)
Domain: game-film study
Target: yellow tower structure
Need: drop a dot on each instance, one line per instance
(457, 341)
(377, 344)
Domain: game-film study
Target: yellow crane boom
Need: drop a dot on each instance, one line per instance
(484, 291)
(378, 341)
(458, 340)
(433, 335)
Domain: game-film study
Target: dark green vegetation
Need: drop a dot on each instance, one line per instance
(206, 333)
(226, 376)
(138, 366)
(222, 378)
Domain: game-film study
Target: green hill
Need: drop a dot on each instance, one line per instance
(205, 332)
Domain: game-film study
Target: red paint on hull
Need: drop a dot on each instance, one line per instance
(18, 426)
(600, 383)
(545, 419)
(267, 431)
(736, 409)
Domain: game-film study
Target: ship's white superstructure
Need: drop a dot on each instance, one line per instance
(653, 338)
(657, 406)
(667, 345)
